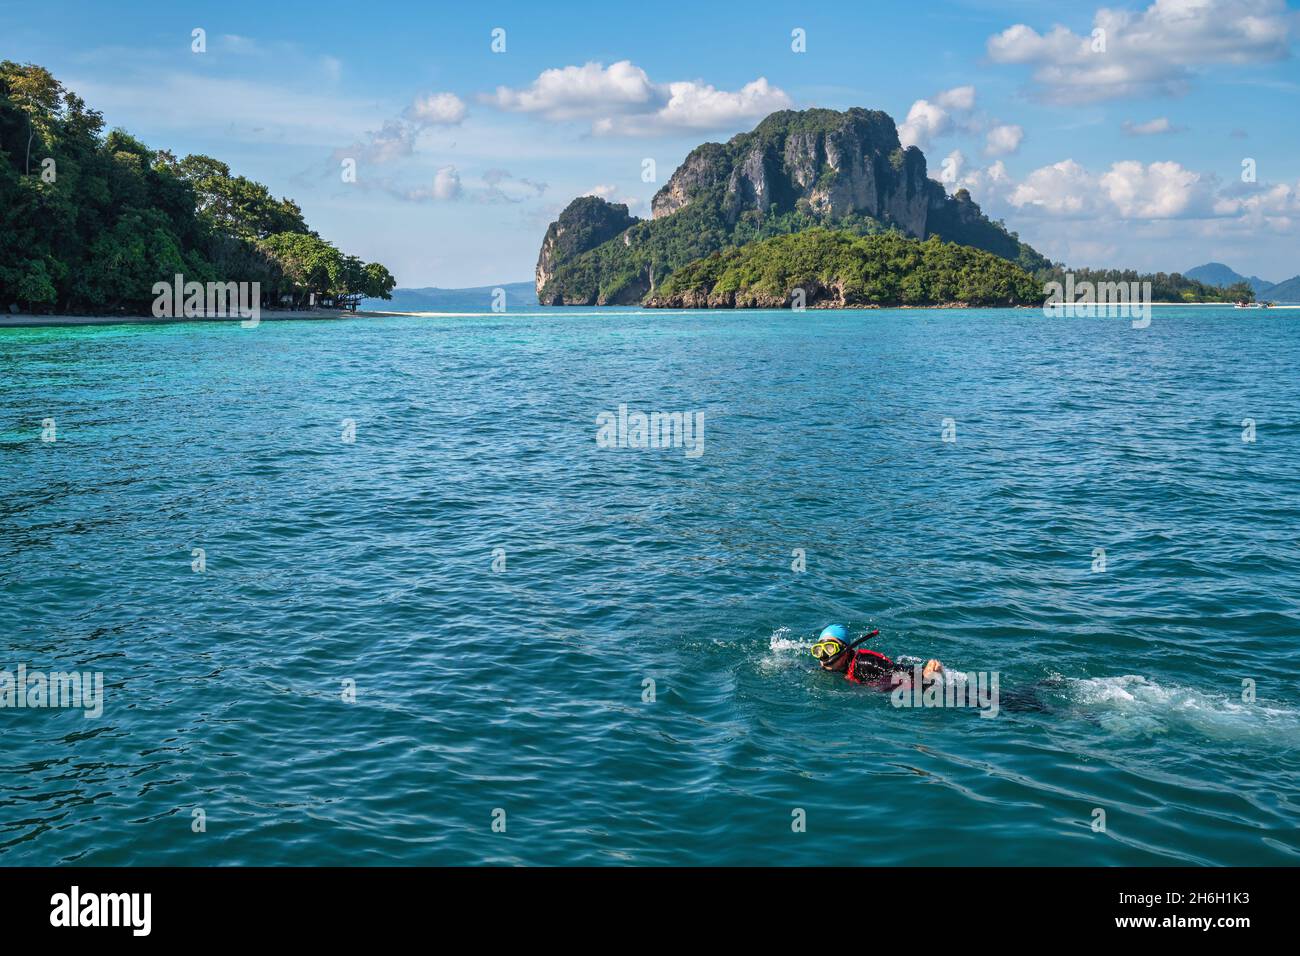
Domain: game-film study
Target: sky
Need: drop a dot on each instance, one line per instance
(1155, 136)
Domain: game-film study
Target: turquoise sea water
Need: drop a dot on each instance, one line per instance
(523, 690)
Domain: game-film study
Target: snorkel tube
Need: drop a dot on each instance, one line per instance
(830, 661)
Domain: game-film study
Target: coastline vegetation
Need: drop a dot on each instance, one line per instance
(1165, 286)
(843, 269)
(90, 221)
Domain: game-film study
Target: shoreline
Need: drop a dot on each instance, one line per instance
(28, 321)
(948, 306)
(25, 321)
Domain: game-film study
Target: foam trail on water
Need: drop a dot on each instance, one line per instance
(1131, 704)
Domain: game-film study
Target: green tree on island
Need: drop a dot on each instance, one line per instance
(90, 221)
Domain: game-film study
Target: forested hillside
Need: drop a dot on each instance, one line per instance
(90, 221)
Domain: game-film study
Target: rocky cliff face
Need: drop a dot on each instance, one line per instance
(794, 170)
(584, 224)
(705, 167)
(838, 164)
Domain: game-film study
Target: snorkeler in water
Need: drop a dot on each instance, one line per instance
(835, 652)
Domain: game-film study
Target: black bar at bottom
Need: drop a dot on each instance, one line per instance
(331, 906)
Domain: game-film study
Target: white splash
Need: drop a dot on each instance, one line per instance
(782, 650)
(781, 641)
(1131, 704)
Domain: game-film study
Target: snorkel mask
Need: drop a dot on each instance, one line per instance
(833, 643)
(827, 651)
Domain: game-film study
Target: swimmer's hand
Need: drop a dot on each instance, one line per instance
(931, 668)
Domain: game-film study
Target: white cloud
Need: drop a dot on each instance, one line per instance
(1168, 209)
(991, 182)
(929, 119)
(1272, 208)
(1157, 191)
(446, 184)
(696, 106)
(394, 140)
(925, 121)
(958, 98)
(1128, 191)
(1150, 128)
(437, 109)
(1062, 189)
(1002, 140)
(580, 91)
(621, 100)
(1152, 53)
(492, 186)
(951, 168)
(445, 187)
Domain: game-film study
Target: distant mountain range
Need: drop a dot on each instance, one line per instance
(1216, 273)
(1288, 291)
(477, 299)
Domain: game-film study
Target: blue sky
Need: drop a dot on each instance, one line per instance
(1130, 154)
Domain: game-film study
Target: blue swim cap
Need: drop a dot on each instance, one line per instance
(835, 632)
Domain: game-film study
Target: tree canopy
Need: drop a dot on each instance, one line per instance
(842, 268)
(89, 220)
